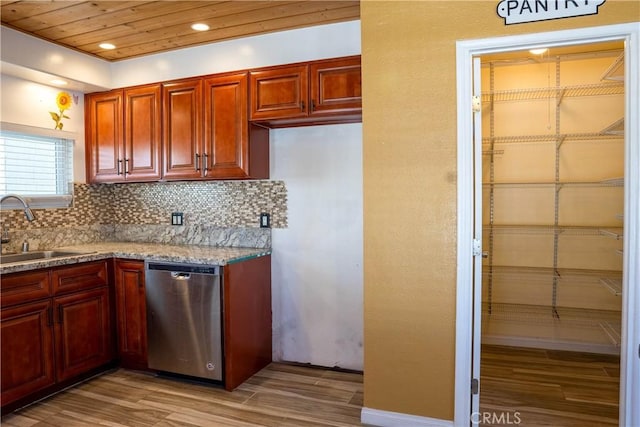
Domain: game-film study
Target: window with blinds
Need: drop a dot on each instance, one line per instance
(38, 167)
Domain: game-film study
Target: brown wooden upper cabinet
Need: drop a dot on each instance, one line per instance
(318, 92)
(123, 135)
(232, 147)
(206, 131)
(182, 131)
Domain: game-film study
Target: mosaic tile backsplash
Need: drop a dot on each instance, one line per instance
(216, 213)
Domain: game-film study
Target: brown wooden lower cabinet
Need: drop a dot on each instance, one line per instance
(62, 327)
(246, 296)
(27, 350)
(131, 313)
(82, 332)
(51, 338)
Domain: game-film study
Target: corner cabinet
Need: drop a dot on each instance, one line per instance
(56, 327)
(123, 135)
(318, 92)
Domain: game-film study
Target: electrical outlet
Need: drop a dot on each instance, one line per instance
(177, 218)
(265, 221)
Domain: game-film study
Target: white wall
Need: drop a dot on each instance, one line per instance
(317, 261)
(284, 47)
(27, 103)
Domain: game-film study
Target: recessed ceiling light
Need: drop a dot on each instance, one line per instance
(58, 82)
(200, 27)
(539, 51)
(107, 46)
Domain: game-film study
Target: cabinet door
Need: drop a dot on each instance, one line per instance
(27, 350)
(142, 127)
(131, 313)
(280, 92)
(82, 332)
(226, 127)
(336, 87)
(182, 132)
(103, 136)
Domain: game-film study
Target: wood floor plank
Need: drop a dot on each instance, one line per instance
(320, 410)
(549, 388)
(545, 389)
(281, 395)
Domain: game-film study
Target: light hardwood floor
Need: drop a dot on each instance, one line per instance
(279, 395)
(549, 388)
(544, 387)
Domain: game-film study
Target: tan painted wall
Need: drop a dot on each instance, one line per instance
(409, 154)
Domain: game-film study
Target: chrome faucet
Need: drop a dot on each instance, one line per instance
(27, 210)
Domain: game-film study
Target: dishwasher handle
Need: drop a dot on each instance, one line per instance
(180, 275)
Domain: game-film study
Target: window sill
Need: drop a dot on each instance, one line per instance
(40, 202)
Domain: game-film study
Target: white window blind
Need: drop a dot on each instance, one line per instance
(38, 167)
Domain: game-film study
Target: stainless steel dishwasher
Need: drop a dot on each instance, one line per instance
(184, 324)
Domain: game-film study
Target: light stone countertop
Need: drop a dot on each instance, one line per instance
(188, 254)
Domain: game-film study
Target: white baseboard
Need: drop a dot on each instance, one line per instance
(376, 417)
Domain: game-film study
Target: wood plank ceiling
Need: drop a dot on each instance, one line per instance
(139, 28)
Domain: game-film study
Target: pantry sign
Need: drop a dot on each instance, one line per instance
(520, 11)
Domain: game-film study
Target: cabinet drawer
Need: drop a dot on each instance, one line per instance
(18, 288)
(81, 276)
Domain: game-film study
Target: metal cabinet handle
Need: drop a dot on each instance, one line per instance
(197, 161)
(301, 105)
(312, 107)
(126, 166)
(206, 164)
(119, 167)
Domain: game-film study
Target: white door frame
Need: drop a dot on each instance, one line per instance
(630, 339)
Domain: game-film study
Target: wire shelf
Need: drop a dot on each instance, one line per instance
(597, 89)
(616, 233)
(567, 137)
(548, 315)
(613, 182)
(545, 274)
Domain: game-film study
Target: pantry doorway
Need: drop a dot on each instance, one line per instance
(484, 186)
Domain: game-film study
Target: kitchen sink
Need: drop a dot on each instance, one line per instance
(36, 255)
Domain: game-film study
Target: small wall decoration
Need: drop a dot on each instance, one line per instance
(520, 11)
(63, 100)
